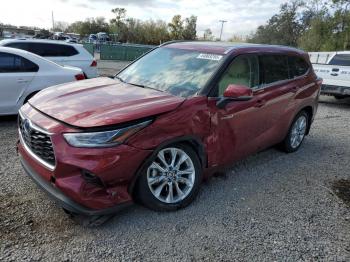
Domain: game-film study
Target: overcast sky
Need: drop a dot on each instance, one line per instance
(243, 16)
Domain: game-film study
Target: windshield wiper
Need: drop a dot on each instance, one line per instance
(119, 78)
(143, 86)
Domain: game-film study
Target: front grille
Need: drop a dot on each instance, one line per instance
(38, 142)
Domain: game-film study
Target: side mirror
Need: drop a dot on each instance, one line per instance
(235, 93)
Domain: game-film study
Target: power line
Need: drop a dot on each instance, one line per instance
(222, 26)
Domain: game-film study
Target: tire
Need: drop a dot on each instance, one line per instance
(290, 145)
(162, 174)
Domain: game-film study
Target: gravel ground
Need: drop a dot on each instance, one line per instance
(110, 68)
(271, 206)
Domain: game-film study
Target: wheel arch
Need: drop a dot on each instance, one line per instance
(309, 110)
(194, 142)
(30, 95)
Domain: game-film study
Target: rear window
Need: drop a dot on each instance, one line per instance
(273, 68)
(341, 60)
(297, 66)
(46, 49)
(10, 63)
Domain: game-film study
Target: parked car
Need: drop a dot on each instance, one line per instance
(334, 68)
(23, 74)
(92, 38)
(102, 37)
(168, 120)
(59, 52)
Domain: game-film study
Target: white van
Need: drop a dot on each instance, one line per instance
(334, 68)
(59, 52)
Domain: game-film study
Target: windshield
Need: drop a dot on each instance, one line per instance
(179, 72)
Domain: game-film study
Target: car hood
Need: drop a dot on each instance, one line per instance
(102, 101)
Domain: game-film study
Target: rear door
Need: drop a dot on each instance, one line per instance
(16, 73)
(274, 98)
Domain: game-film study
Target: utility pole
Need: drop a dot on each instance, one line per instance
(53, 21)
(222, 27)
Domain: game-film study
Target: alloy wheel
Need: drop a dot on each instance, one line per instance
(298, 131)
(171, 175)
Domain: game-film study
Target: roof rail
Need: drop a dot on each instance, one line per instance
(173, 41)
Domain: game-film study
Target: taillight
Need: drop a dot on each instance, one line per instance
(79, 77)
(94, 63)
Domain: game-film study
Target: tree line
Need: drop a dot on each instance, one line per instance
(131, 30)
(314, 25)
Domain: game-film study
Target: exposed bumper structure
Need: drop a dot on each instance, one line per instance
(90, 181)
(335, 90)
(65, 201)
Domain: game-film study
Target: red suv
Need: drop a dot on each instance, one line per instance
(168, 120)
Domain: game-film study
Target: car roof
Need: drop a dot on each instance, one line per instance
(227, 47)
(31, 40)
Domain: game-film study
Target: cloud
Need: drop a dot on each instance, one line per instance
(83, 5)
(242, 16)
(139, 3)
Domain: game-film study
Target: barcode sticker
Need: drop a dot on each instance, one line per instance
(209, 57)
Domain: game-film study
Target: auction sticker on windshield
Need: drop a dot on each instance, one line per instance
(209, 57)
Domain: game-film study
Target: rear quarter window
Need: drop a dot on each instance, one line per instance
(340, 60)
(297, 66)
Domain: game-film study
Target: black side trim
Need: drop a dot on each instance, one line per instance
(65, 201)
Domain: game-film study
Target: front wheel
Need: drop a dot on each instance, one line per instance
(171, 180)
(296, 133)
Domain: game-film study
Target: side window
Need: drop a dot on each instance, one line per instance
(244, 70)
(20, 45)
(51, 50)
(273, 68)
(297, 66)
(10, 63)
(340, 60)
(29, 66)
(68, 50)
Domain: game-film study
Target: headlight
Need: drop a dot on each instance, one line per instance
(104, 138)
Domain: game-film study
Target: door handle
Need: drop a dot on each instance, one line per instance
(260, 103)
(22, 81)
(334, 74)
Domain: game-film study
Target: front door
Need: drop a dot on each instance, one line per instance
(235, 127)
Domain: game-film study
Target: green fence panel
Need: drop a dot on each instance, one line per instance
(123, 52)
(89, 47)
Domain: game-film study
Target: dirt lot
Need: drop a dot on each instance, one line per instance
(271, 206)
(110, 68)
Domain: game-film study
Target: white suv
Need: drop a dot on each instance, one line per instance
(59, 52)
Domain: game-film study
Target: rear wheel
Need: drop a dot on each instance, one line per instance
(171, 180)
(296, 133)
